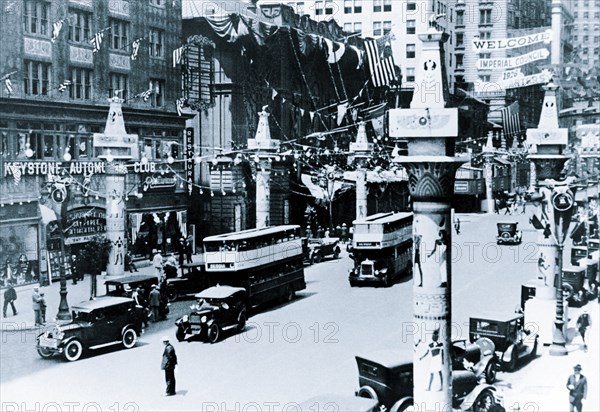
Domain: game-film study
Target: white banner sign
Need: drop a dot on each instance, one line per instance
(512, 62)
(543, 77)
(512, 43)
(511, 74)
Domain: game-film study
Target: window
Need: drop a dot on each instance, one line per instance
(410, 74)
(156, 42)
(348, 27)
(586, 15)
(450, 60)
(460, 17)
(358, 27)
(376, 28)
(318, 8)
(485, 55)
(411, 26)
(157, 87)
(460, 40)
(120, 34)
(596, 15)
(585, 50)
(483, 35)
(119, 85)
(81, 84)
(485, 16)
(357, 6)
(459, 61)
(411, 6)
(576, 14)
(410, 51)
(80, 26)
(158, 3)
(347, 6)
(387, 27)
(377, 5)
(35, 17)
(485, 78)
(36, 78)
(586, 38)
(329, 7)
(387, 5)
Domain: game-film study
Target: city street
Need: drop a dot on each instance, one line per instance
(291, 352)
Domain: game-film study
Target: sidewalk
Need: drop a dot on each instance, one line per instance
(541, 384)
(24, 320)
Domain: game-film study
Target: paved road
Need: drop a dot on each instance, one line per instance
(288, 353)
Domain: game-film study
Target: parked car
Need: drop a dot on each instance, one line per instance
(513, 343)
(479, 357)
(218, 308)
(96, 323)
(508, 234)
(573, 278)
(320, 248)
(338, 403)
(193, 279)
(125, 285)
(387, 377)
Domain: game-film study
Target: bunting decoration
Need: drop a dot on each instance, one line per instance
(56, 27)
(178, 55)
(135, 47)
(274, 94)
(360, 56)
(63, 86)
(341, 112)
(179, 103)
(144, 95)
(97, 40)
(8, 86)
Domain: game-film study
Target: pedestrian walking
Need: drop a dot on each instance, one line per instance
(129, 265)
(169, 361)
(154, 303)
(43, 307)
(189, 248)
(181, 250)
(344, 233)
(577, 386)
(157, 262)
(141, 304)
(10, 295)
(74, 271)
(457, 226)
(35, 299)
(584, 321)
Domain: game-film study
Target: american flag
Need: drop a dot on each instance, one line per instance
(382, 70)
(177, 55)
(97, 39)
(63, 86)
(56, 27)
(510, 120)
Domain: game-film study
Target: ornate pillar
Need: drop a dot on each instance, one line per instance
(115, 217)
(488, 167)
(359, 156)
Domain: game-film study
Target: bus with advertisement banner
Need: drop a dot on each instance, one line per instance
(381, 248)
(267, 262)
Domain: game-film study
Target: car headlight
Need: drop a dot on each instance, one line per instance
(185, 318)
(203, 319)
(383, 271)
(377, 272)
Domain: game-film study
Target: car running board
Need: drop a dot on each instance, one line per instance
(105, 345)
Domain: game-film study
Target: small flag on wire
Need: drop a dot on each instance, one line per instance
(510, 119)
(63, 86)
(135, 47)
(177, 55)
(179, 104)
(56, 27)
(8, 86)
(382, 70)
(145, 95)
(97, 39)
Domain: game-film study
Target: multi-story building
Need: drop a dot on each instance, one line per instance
(586, 32)
(55, 89)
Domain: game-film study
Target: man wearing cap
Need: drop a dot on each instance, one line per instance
(583, 323)
(577, 386)
(169, 360)
(154, 302)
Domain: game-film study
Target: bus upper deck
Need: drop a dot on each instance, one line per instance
(382, 230)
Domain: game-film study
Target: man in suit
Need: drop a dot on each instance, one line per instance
(577, 386)
(35, 300)
(154, 303)
(169, 360)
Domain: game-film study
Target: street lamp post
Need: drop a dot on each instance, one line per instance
(64, 314)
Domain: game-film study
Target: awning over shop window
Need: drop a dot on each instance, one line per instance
(48, 215)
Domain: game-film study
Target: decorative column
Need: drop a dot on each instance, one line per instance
(360, 151)
(430, 128)
(266, 149)
(556, 24)
(488, 167)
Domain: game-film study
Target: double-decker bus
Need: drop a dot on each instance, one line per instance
(267, 262)
(381, 248)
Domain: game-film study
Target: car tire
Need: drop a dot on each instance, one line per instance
(44, 352)
(180, 334)
(490, 372)
(316, 258)
(401, 405)
(214, 333)
(484, 401)
(367, 392)
(129, 338)
(241, 325)
(336, 254)
(73, 350)
(172, 294)
(568, 291)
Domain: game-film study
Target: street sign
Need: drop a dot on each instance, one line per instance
(562, 201)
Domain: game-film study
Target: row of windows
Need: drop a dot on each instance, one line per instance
(37, 75)
(80, 28)
(377, 25)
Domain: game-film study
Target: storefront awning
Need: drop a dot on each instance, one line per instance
(48, 215)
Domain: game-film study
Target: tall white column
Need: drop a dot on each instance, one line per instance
(360, 150)
(115, 217)
(556, 50)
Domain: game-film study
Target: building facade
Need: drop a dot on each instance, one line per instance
(586, 32)
(61, 61)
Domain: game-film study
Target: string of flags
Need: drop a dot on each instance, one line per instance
(56, 27)
(97, 39)
(63, 86)
(179, 104)
(178, 55)
(135, 47)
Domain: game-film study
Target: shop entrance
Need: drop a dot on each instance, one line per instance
(160, 231)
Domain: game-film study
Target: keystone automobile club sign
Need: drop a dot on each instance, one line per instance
(513, 62)
(512, 43)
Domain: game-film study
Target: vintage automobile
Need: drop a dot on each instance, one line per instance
(193, 279)
(513, 343)
(387, 376)
(124, 286)
(96, 324)
(218, 308)
(573, 278)
(508, 234)
(479, 357)
(338, 403)
(319, 248)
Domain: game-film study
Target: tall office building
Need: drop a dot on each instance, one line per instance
(586, 32)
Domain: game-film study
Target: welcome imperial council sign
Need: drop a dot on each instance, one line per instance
(511, 43)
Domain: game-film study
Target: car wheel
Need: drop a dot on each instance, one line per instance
(533, 353)
(172, 294)
(490, 372)
(514, 357)
(367, 392)
(241, 321)
(180, 334)
(567, 291)
(484, 401)
(402, 406)
(44, 352)
(317, 257)
(214, 332)
(336, 254)
(73, 350)
(129, 338)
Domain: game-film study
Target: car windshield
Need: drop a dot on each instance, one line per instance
(485, 326)
(81, 316)
(507, 226)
